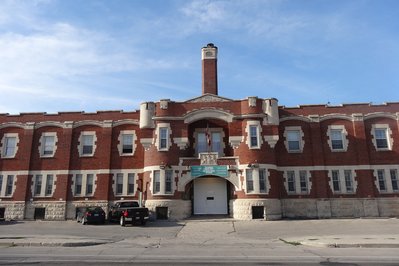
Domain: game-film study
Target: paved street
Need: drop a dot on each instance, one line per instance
(224, 241)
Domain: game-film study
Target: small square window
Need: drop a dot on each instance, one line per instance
(9, 146)
(127, 143)
(253, 130)
(163, 138)
(87, 148)
(381, 138)
(48, 146)
(294, 140)
(337, 139)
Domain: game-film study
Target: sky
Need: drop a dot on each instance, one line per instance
(73, 55)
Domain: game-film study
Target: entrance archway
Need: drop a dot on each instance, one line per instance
(210, 196)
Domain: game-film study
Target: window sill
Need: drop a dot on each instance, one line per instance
(339, 150)
(86, 155)
(8, 157)
(383, 149)
(46, 156)
(296, 151)
(125, 154)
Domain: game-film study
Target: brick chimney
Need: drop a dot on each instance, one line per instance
(209, 69)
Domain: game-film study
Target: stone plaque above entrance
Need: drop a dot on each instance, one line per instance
(208, 158)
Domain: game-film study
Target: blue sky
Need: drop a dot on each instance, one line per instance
(74, 55)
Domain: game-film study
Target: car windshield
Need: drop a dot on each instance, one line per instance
(97, 209)
(129, 204)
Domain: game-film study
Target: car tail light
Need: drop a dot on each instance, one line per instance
(125, 213)
(88, 214)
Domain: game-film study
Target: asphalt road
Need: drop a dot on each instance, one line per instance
(203, 243)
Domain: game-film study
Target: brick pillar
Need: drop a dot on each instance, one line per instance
(319, 178)
(104, 186)
(64, 149)
(365, 178)
(209, 69)
(22, 185)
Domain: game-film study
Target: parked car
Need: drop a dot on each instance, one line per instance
(91, 215)
(128, 211)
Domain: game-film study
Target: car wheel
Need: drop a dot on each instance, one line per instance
(122, 221)
(84, 222)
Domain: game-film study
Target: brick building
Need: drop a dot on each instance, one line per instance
(246, 158)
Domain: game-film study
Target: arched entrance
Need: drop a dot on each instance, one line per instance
(210, 195)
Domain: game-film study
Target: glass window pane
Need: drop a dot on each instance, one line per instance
(303, 181)
(335, 180)
(262, 180)
(348, 180)
(38, 184)
(78, 185)
(250, 181)
(127, 146)
(10, 185)
(119, 183)
(168, 181)
(157, 181)
(291, 181)
(216, 142)
(201, 143)
(89, 184)
(381, 180)
(130, 181)
(10, 143)
(49, 185)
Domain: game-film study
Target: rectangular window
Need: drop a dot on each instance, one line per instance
(216, 142)
(88, 141)
(89, 184)
(168, 181)
(49, 185)
(381, 180)
(253, 130)
(38, 185)
(157, 182)
(293, 138)
(163, 138)
(291, 181)
(78, 184)
(119, 184)
(9, 146)
(262, 180)
(10, 185)
(303, 180)
(336, 139)
(127, 143)
(394, 179)
(48, 145)
(201, 143)
(130, 183)
(335, 180)
(348, 180)
(1, 184)
(381, 138)
(250, 180)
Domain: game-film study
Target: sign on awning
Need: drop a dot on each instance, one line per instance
(201, 170)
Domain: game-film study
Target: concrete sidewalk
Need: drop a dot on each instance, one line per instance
(312, 233)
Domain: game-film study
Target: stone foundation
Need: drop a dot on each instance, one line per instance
(54, 210)
(340, 208)
(13, 210)
(241, 209)
(177, 209)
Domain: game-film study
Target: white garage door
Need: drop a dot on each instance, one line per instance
(210, 196)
